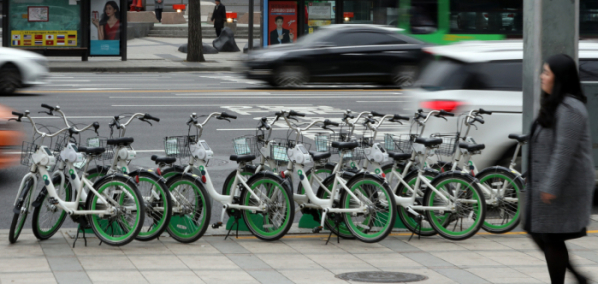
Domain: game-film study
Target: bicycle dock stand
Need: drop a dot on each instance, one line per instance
(79, 229)
(237, 215)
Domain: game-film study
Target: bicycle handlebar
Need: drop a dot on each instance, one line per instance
(48, 107)
(148, 116)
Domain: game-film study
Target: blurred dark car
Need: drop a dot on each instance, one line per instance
(340, 53)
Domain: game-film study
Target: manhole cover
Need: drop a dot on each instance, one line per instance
(381, 277)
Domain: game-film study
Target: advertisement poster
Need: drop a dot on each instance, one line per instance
(38, 14)
(282, 22)
(44, 38)
(105, 28)
(319, 11)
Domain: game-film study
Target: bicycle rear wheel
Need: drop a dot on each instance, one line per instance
(378, 220)
(276, 221)
(469, 206)
(408, 219)
(47, 217)
(125, 224)
(503, 212)
(20, 216)
(157, 203)
(191, 209)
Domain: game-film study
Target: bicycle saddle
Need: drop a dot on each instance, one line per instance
(428, 142)
(344, 145)
(242, 158)
(320, 155)
(472, 147)
(519, 137)
(399, 156)
(163, 160)
(92, 151)
(120, 141)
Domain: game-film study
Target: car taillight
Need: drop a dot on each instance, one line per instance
(441, 104)
(511, 16)
(485, 15)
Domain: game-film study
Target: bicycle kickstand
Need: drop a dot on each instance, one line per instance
(237, 217)
(77, 236)
(418, 228)
(335, 217)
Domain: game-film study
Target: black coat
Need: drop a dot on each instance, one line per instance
(274, 37)
(219, 16)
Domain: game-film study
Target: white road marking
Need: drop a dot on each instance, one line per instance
(381, 101)
(220, 105)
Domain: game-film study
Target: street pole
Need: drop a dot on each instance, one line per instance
(250, 43)
(549, 28)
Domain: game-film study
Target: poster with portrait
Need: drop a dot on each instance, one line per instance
(282, 22)
(105, 27)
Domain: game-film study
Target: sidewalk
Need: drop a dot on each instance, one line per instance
(151, 55)
(485, 258)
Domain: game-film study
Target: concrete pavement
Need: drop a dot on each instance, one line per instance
(152, 55)
(485, 258)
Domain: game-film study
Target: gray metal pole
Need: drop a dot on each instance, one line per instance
(250, 43)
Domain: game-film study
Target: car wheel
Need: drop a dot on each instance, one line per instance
(404, 77)
(9, 80)
(290, 76)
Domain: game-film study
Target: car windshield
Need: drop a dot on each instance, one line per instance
(320, 36)
(442, 74)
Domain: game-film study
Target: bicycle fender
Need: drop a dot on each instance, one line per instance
(127, 177)
(270, 175)
(514, 175)
(17, 209)
(368, 175)
(152, 173)
(466, 176)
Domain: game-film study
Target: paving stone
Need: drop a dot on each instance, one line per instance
(269, 277)
(168, 277)
(382, 261)
(68, 263)
(69, 277)
(311, 276)
(157, 262)
(37, 264)
(106, 263)
(208, 262)
(461, 276)
(57, 249)
(427, 259)
(28, 278)
(248, 261)
(226, 246)
(237, 276)
(111, 277)
(259, 246)
(288, 261)
(465, 258)
(398, 245)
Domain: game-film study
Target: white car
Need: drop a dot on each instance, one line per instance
(21, 69)
(488, 75)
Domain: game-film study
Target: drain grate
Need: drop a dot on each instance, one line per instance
(381, 277)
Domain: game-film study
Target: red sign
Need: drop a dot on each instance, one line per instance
(282, 22)
(49, 42)
(231, 15)
(39, 36)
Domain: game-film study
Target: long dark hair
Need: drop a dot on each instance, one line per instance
(566, 83)
(104, 19)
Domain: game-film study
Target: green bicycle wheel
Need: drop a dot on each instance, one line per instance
(47, 217)
(125, 224)
(503, 213)
(157, 204)
(377, 221)
(18, 220)
(469, 206)
(273, 223)
(191, 209)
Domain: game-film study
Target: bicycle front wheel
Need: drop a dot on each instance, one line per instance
(466, 206)
(409, 220)
(377, 220)
(273, 223)
(191, 209)
(503, 208)
(48, 217)
(123, 197)
(18, 220)
(157, 203)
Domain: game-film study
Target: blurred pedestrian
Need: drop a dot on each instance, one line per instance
(561, 172)
(218, 17)
(158, 7)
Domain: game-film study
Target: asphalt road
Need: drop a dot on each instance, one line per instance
(172, 97)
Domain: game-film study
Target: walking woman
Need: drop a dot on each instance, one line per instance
(561, 172)
(109, 25)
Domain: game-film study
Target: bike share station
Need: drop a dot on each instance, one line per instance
(66, 27)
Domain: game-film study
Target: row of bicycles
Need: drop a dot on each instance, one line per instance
(427, 182)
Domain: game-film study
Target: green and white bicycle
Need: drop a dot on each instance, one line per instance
(112, 206)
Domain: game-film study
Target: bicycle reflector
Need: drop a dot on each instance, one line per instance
(282, 175)
(159, 172)
(203, 179)
(137, 179)
(446, 105)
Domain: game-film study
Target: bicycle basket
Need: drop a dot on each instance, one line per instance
(322, 142)
(95, 142)
(398, 143)
(448, 146)
(279, 147)
(178, 146)
(245, 145)
(27, 150)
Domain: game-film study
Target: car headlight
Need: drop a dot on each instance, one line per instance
(41, 61)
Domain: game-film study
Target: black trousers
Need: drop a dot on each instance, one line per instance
(159, 14)
(218, 31)
(557, 256)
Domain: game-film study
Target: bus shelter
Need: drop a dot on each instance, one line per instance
(66, 27)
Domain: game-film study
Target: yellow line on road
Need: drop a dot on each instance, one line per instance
(204, 91)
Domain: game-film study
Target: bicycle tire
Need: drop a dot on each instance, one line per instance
(172, 171)
(114, 186)
(472, 192)
(36, 224)
(407, 218)
(381, 213)
(257, 222)
(489, 177)
(188, 226)
(159, 211)
(18, 220)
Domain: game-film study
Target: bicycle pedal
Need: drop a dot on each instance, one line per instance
(53, 200)
(317, 229)
(217, 225)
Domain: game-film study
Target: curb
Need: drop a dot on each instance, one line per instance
(140, 69)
